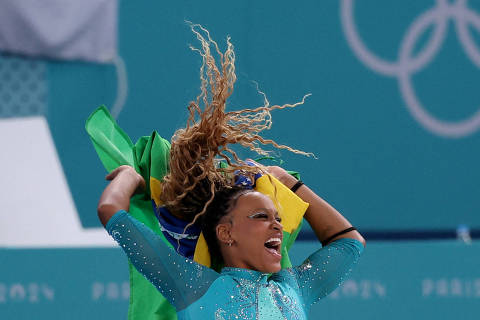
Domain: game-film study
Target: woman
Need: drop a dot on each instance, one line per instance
(242, 227)
(248, 236)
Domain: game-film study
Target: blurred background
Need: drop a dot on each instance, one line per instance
(393, 120)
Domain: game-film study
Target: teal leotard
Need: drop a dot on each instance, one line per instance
(198, 292)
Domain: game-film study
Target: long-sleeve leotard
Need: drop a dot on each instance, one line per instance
(198, 292)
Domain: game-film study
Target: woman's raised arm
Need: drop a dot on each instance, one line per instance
(180, 280)
(125, 181)
(326, 268)
(325, 220)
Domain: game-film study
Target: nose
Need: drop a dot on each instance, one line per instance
(277, 225)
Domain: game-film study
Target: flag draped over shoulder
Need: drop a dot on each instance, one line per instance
(114, 149)
(150, 158)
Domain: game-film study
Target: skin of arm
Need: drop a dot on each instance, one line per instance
(322, 217)
(125, 181)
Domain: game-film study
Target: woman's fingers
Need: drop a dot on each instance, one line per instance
(112, 174)
(115, 172)
(282, 175)
(141, 183)
(275, 171)
(278, 172)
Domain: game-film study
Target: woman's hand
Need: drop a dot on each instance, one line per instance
(278, 172)
(125, 181)
(322, 217)
(131, 177)
(282, 175)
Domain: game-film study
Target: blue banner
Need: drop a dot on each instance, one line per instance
(395, 281)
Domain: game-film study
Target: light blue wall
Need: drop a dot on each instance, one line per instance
(376, 163)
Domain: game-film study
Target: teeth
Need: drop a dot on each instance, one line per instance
(274, 240)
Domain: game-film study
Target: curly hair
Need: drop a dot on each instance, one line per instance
(196, 150)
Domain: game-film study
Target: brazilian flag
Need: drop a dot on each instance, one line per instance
(149, 156)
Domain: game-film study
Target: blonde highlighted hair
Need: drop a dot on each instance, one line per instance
(195, 175)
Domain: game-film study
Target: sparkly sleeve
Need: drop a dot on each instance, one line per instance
(180, 280)
(325, 270)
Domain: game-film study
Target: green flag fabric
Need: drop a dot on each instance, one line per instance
(114, 149)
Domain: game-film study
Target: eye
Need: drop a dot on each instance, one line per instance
(258, 215)
(279, 220)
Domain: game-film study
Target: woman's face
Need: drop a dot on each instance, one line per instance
(256, 233)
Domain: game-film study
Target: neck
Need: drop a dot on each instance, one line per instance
(230, 260)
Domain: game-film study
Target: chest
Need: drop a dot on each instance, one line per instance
(231, 298)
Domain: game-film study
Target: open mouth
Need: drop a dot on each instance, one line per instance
(273, 246)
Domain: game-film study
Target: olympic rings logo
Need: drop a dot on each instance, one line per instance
(406, 64)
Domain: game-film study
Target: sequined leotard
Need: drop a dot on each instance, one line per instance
(198, 292)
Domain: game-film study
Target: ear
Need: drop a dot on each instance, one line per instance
(223, 232)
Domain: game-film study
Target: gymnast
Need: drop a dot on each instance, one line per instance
(242, 227)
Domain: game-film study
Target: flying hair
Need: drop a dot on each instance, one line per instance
(197, 149)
